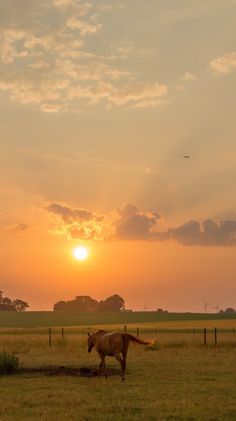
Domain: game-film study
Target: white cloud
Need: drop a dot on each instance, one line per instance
(187, 77)
(49, 64)
(85, 28)
(223, 64)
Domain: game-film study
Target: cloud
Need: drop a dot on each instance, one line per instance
(134, 224)
(47, 59)
(224, 64)
(129, 223)
(80, 224)
(78, 9)
(11, 227)
(188, 77)
(208, 234)
(84, 28)
(138, 94)
(21, 227)
(70, 215)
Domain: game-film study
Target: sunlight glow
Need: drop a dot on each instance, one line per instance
(80, 253)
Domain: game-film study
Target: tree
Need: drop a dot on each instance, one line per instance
(80, 303)
(60, 306)
(85, 303)
(230, 310)
(160, 310)
(20, 305)
(112, 303)
(6, 304)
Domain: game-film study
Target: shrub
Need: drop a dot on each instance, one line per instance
(9, 363)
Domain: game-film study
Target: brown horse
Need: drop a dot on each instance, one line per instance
(112, 344)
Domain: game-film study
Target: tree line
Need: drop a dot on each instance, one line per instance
(87, 303)
(7, 304)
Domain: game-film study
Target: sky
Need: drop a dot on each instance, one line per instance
(100, 101)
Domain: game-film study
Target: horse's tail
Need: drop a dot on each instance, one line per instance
(137, 340)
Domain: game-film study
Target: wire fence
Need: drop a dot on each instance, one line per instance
(164, 336)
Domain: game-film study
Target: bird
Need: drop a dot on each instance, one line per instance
(186, 157)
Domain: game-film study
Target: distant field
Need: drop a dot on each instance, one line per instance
(60, 319)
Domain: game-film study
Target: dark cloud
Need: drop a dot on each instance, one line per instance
(21, 227)
(208, 234)
(69, 215)
(134, 224)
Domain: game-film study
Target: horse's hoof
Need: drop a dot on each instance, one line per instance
(123, 378)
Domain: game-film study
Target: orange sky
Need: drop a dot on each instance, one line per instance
(99, 102)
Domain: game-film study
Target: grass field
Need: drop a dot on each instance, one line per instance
(177, 378)
(51, 319)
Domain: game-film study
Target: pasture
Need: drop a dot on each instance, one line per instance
(75, 318)
(176, 378)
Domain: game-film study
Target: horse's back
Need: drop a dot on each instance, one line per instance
(110, 343)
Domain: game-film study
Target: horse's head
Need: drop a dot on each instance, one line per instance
(91, 341)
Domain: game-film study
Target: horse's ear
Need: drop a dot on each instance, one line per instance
(89, 335)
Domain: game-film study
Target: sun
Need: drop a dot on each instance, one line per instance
(80, 253)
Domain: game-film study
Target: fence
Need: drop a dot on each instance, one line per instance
(194, 336)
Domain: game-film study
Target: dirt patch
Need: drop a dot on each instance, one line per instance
(67, 371)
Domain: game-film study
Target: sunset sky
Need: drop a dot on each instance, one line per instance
(99, 103)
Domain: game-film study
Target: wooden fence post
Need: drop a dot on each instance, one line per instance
(50, 336)
(125, 328)
(215, 336)
(205, 336)
(62, 334)
(137, 332)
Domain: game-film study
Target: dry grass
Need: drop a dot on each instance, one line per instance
(176, 378)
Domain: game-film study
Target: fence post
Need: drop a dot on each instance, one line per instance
(137, 332)
(125, 328)
(50, 336)
(215, 336)
(62, 334)
(205, 336)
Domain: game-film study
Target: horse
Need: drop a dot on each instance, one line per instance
(112, 344)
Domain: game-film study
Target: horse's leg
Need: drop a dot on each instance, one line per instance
(121, 361)
(124, 361)
(124, 353)
(102, 364)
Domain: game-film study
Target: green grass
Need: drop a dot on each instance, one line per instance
(174, 380)
(53, 319)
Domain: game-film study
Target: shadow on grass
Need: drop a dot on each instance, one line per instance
(68, 371)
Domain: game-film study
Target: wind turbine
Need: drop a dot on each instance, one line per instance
(217, 307)
(146, 307)
(205, 305)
